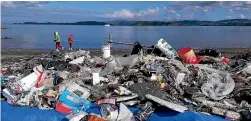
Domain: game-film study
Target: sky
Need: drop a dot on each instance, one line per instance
(53, 11)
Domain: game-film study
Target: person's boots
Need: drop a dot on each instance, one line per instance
(57, 50)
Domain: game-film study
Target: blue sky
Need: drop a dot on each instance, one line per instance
(107, 11)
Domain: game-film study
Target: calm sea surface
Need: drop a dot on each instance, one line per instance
(41, 36)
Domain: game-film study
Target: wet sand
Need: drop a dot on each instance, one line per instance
(14, 55)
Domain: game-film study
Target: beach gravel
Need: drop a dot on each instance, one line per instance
(14, 55)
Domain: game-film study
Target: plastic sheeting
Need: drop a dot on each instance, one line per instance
(12, 113)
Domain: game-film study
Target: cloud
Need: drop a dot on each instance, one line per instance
(205, 10)
(195, 8)
(231, 10)
(127, 14)
(192, 6)
(169, 10)
(206, 6)
(39, 11)
(42, 13)
(17, 4)
(180, 16)
(149, 12)
(242, 16)
(228, 17)
(7, 4)
(238, 6)
(124, 13)
(190, 16)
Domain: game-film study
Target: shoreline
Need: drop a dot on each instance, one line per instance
(14, 55)
(136, 25)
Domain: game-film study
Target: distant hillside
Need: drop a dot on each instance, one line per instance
(121, 23)
(230, 22)
(76, 23)
(151, 23)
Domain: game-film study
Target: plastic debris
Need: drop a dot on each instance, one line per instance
(166, 48)
(106, 51)
(78, 60)
(144, 112)
(77, 117)
(218, 87)
(209, 52)
(96, 78)
(229, 114)
(124, 113)
(79, 91)
(150, 77)
(108, 109)
(29, 81)
(188, 56)
(170, 105)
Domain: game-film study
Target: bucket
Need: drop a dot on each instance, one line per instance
(188, 56)
(106, 51)
(225, 60)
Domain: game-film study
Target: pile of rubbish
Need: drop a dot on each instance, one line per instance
(148, 78)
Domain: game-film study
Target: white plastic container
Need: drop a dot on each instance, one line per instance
(106, 51)
(75, 88)
(166, 48)
(96, 79)
(29, 81)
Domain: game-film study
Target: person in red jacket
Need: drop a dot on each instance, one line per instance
(70, 41)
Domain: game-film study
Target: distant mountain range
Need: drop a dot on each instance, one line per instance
(75, 23)
(230, 22)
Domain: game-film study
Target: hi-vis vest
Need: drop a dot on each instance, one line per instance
(57, 38)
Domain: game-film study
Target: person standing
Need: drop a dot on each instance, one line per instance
(57, 40)
(70, 41)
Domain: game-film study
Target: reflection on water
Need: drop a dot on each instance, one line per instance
(41, 36)
(29, 41)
